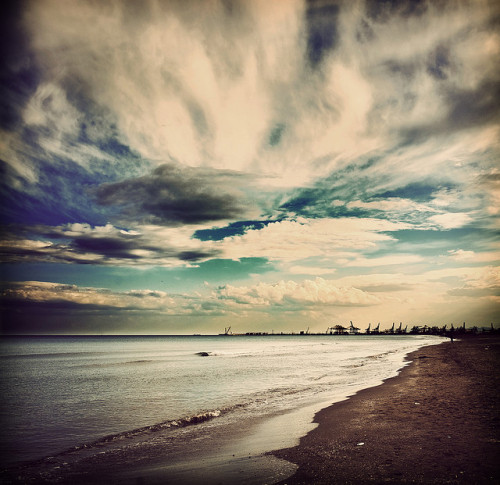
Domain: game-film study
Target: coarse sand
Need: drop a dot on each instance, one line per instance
(436, 422)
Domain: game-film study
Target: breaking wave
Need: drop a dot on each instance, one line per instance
(174, 423)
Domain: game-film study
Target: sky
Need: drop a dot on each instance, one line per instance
(182, 166)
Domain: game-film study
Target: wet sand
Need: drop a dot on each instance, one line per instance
(437, 422)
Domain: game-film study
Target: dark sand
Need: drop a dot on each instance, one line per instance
(438, 421)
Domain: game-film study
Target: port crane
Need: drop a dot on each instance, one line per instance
(353, 330)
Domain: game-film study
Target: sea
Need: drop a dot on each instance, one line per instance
(66, 394)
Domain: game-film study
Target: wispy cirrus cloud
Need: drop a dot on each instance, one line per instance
(319, 85)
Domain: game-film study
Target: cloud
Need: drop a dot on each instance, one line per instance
(107, 245)
(86, 299)
(19, 72)
(400, 259)
(145, 65)
(313, 80)
(490, 185)
(147, 244)
(473, 257)
(367, 190)
(299, 239)
(225, 299)
(42, 292)
(310, 270)
(484, 284)
(172, 195)
(288, 293)
(431, 215)
(450, 220)
(323, 137)
(296, 91)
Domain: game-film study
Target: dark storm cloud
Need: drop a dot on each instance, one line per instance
(19, 73)
(321, 19)
(384, 10)
(25, 316)
(82, 244)
(439, 62)
(114, 247)
(19, 306)
(466, 109)
(29, 317)
(173, 196)
(475, 107)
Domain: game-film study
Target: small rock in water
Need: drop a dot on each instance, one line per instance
(203, 354)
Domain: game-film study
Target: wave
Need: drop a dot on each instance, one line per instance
(256, 399)
(116, 364)
(52, 355)
(174, 423)
(379, 356)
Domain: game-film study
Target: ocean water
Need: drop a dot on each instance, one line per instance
(59, 393)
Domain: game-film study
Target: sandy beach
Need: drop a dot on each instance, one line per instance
(438, 421)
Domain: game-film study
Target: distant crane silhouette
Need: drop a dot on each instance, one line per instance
(339, 330)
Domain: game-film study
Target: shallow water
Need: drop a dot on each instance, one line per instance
(62, 392)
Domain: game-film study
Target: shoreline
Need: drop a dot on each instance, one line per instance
(332, 452)
(437, 421)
